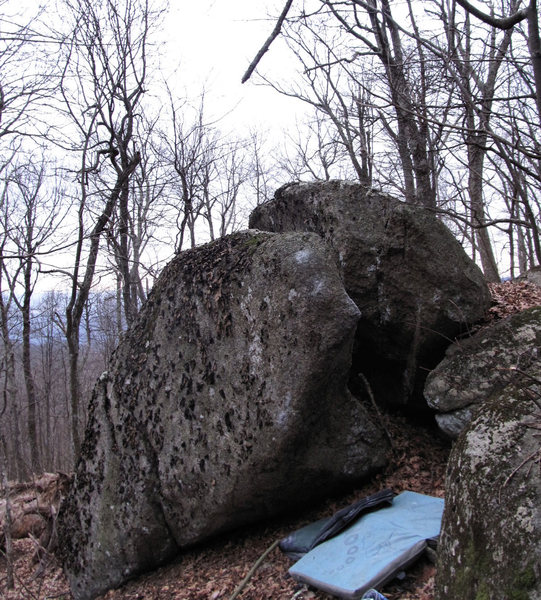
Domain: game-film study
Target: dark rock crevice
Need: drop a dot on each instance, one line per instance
(414, 285)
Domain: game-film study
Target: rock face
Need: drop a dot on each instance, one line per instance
(476, 368)
(491, 532)
(226, 402)
(412, 281)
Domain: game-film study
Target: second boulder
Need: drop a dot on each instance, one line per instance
(413, 283)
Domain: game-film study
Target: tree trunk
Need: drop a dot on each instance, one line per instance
(10, 396)
(10, 583)
(412, 139)
(534, 228)
(27, 372)
(123, 258)
(476, 154)
(72, 336)
(406, 164)
(522, 250)
(534, 44)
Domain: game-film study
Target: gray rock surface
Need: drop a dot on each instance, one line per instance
(226, 402)
(412, 281)
(476, 368)
(533, 275)
(490, 545)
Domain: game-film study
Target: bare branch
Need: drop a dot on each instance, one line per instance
(500, 23)
(275, 33)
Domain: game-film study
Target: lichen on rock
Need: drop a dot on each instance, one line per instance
(474, 369)
(491, 534)
(225, 403)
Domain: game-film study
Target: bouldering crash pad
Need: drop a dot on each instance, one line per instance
(298, 543)
(374, 549)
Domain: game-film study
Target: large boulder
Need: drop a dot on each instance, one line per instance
(226, 402)
(490, 542)
(412, 281)
(476, 368)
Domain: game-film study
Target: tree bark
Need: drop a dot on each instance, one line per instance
(476, 155)
(10, 582)
(31, 398)
(10, 396)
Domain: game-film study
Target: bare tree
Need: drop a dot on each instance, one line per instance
(25, 82)
(10, 401)
(343, 115)
(102, 86)
(188, 146)
(374, 32)
(25, 87)
(262, 180)
(475, 72)
(336, 64)
(434, 95)
(231, 173)
(312, 151)
(10, 581)
(530, 14)
(144, 214)
(32, 220)
(381, 35)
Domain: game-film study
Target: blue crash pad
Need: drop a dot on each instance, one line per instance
(374, 549)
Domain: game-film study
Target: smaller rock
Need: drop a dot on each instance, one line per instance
(490, 542)
(452, 423)
(476, 368)
(533, 275)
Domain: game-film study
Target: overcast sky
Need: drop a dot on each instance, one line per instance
(214, 41)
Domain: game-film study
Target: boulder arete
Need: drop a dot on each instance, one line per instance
(226, 402)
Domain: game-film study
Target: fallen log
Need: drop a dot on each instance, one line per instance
(34, 506)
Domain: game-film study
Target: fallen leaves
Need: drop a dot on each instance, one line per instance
(511, 297)
(214, 570)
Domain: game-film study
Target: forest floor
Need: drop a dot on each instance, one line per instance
(214, 570)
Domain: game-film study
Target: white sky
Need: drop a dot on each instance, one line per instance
(214, 41)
